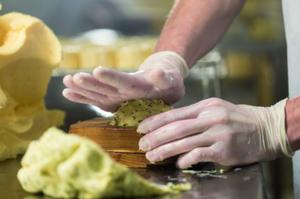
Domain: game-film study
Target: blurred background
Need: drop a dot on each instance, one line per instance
(248, 66)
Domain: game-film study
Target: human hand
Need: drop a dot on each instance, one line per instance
(159, 77)
(215, 130)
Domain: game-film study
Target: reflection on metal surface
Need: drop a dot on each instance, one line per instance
(233, 187)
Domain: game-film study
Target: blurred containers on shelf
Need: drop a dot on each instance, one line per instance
(125, 53)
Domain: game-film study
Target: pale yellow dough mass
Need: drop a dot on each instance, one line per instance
(69, 166)
(29, 51)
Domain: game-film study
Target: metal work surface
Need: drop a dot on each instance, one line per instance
(245, 183)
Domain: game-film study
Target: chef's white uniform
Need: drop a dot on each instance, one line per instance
(291, 13)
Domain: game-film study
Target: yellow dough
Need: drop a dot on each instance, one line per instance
(69, 166)
(29, 51)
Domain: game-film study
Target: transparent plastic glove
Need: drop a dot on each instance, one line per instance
(217, 131)
(160, 76)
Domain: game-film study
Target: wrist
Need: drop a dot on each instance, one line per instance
(166, 60)
(292, 112)
(270, 123)
(277, 128)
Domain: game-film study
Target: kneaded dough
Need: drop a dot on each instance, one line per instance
(29, 51)
(67, 166)
(132, 112)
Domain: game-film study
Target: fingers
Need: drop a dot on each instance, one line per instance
(76, 97)
(157, 121)
(192, 111)
(68, 81)
(84, 95)
(199, 154)
(124, 82)
(178, 147)
(88, 82)
(216, 133)
(172, 132)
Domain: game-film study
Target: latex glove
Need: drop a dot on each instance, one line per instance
(217, 131)
(159, 77)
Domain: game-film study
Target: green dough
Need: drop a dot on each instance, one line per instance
(132, 112)
(67, 166)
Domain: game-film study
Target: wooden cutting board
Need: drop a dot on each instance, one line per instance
(120, 142)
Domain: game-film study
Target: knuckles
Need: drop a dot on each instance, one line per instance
(215, 102)
(219, 114)
(224, 115)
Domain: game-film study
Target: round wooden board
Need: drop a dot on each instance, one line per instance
(122, 139)
(120, 142)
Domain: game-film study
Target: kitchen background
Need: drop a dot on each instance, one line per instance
(248, 66)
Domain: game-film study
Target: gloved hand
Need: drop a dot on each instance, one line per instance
(215, 130)
(160, 76)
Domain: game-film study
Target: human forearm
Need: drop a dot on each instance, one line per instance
(292, 111)
(195, 26)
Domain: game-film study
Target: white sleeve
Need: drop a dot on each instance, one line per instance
(291, 13)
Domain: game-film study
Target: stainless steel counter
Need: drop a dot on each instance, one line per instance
(246, 183)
